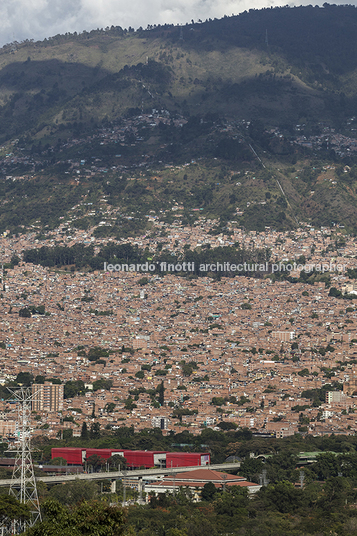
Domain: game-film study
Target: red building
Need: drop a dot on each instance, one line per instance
(135, 459)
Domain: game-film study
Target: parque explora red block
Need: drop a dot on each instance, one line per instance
(145, 458)
(135, 459)
(74, 456)
(187, 459)
(103, 453)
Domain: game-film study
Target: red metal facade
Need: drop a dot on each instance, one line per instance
(141, 458)
(72, 455)
(102, 453)
(134, 458)
(184, 459)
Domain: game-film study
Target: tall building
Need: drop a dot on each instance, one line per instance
(160, 422)
(284, 336)
(47, 397)
(335, 397)
(350, 386)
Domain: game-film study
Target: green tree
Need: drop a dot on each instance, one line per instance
(251, 468)
(89, 518)
(176, 532)
(232, 501)
(96, 462)
(208, 491)
(218, 401)
(337, 493)
(25, 313)
(116, 461)
(11, 509)
(96, 353)
(73, 388)
(224, 425)
(25, 378)
(327, 465)
(94, 430)
(334, 292)
(187, 369)
(58, 461)
(282, 467)
(282, 496)
(129, 404)
(161, 392)
(84, 431)
(102, 384)
(73, 492)
(68, 433)
(39, 379)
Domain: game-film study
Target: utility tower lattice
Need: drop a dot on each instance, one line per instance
(23, 485)
(302, 478)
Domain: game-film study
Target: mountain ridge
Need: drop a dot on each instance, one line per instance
(266, 96)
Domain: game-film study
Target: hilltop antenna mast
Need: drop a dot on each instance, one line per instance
(23, 485)
(266, 38)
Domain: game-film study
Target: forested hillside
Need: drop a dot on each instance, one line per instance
(269, 95)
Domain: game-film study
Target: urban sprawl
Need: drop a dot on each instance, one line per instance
(250, 351)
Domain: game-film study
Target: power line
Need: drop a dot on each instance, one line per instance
(23, 486)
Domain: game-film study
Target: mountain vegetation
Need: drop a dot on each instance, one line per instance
(285, 62)
(215, 118)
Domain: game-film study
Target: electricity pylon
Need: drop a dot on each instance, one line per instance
(23, 485)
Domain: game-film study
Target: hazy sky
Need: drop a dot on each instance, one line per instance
(37, 19)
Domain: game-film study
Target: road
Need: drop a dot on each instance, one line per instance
(117, 475)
